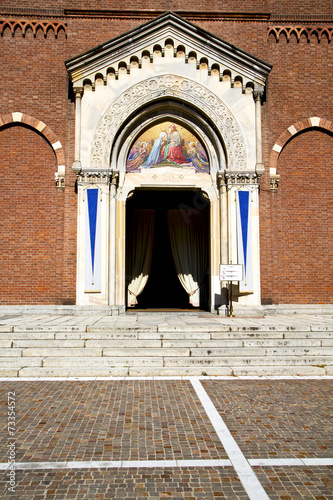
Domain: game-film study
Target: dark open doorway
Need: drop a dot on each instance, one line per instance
(163, 289)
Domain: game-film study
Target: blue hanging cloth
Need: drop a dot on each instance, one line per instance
(92, 195)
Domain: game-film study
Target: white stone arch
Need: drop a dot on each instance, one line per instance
(158, 88)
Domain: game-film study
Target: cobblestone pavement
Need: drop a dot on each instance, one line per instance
(277, 419)
(167, 438)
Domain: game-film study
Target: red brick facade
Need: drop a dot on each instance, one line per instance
(38, 220)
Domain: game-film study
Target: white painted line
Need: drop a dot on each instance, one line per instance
(92, 465)
(244, 470)
(41, 465)
(317, 461)
(274, 462)
(204, 463)
(173, 377)
(149, 463)
(105, 464)
(289, 462)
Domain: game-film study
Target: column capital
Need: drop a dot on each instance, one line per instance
(257, 95)
(78, 92)
(274, 182)
(220, 177)
(76, 166)
(114, 177)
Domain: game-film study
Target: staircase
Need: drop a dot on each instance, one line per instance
(161, 350)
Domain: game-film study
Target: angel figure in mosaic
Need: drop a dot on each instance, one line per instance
(197, 156)
(137, 156)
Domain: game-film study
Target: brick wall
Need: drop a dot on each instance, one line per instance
(31, 223)
(295, 222)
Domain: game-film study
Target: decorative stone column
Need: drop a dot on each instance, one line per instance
(243, 246)
(78, 99)
(224, 250)
(112, 238)
(259, 164)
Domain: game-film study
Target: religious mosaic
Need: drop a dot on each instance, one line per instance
(167, 145)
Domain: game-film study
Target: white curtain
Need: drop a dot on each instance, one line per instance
(188, 237)
(140, 237)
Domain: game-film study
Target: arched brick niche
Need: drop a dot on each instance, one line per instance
(45, 131)
(32, 218)
(288, 135)
(301, 222)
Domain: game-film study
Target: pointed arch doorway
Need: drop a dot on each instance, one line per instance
(167, 250)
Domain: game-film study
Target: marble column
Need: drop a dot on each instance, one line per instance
(259, 164)
(77, 153)
(112, 239)
(224, 249)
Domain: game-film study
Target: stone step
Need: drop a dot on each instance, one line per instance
(252, 361)
(262, 351)
(19, 362)
(46, 343)
(94, 362)
(74, 372)
(167, 352)
(177, 336)
(158, 350)
(232, 372)
(144, 371)
(91, 361)
(167, 329)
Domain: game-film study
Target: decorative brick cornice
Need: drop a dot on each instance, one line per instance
(40, 127)
(24, 25)
(286, 32)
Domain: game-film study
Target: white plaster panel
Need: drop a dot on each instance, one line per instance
(244, 112)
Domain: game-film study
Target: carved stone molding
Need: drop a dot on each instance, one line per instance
(165, 86)
(94, 176)
(241, 178)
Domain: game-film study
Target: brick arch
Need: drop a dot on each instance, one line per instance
(34, 25)
(293, 130)
(46, 132)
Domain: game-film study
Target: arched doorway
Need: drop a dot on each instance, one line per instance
(167, 240)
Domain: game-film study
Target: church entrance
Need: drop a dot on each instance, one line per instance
(167, 250)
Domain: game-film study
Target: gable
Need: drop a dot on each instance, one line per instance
(168, 35)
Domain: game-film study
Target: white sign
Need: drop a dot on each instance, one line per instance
(231, 272)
